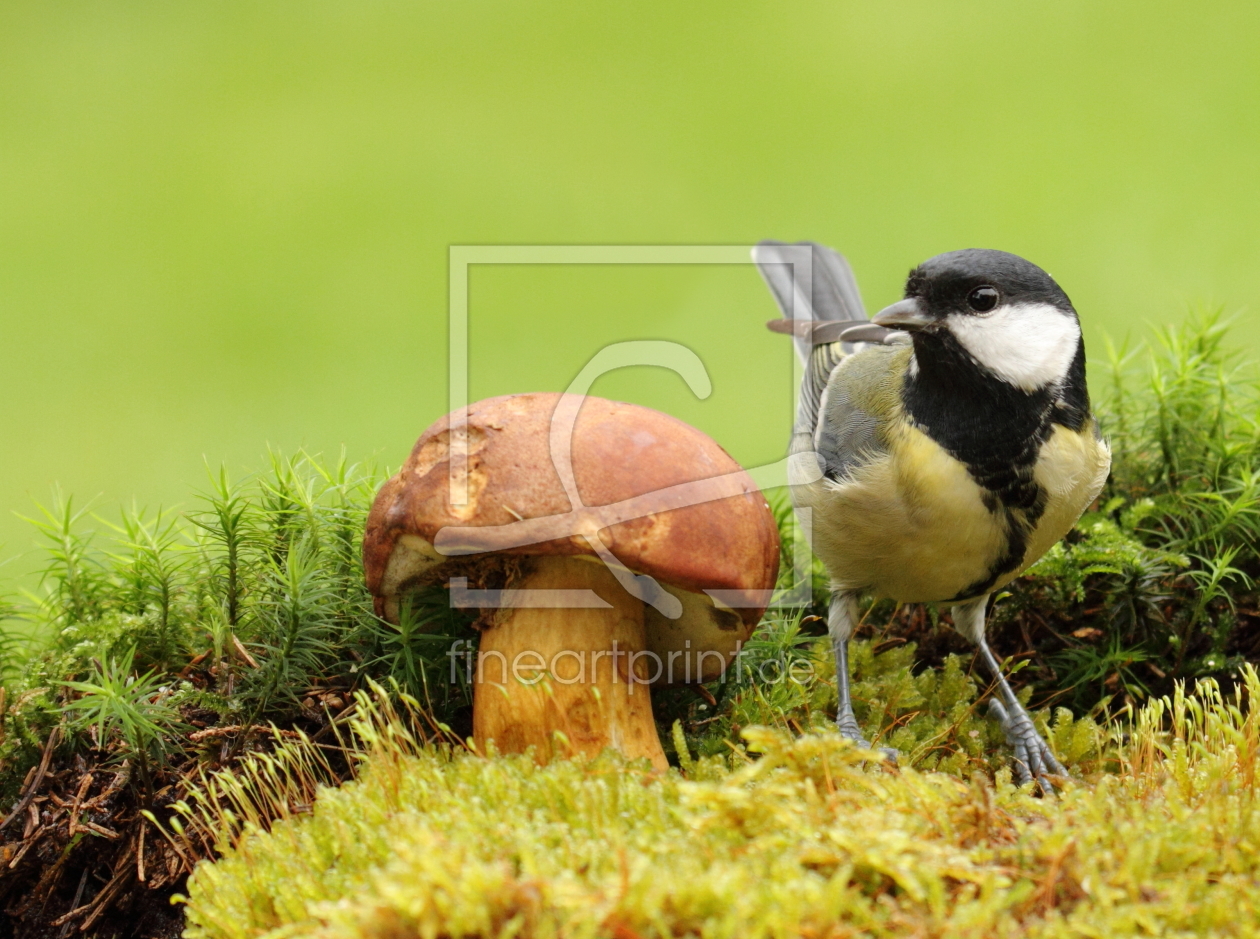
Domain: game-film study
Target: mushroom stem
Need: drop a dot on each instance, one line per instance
(545, 670)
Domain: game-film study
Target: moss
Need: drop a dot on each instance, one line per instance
(802, 837)
(933, 717)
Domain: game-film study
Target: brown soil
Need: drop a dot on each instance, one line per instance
(79, 857)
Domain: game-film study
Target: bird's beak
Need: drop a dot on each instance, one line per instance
(907, 314)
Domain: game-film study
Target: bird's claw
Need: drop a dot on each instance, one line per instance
(1033, 759)
(848, 727)
(847, 724)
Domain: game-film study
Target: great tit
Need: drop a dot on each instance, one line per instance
(953, 438)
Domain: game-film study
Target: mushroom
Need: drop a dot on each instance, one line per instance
(611, 547)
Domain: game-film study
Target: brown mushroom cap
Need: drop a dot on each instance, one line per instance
(619, 452)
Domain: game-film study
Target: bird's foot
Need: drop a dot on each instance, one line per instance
(846, 723)
(1033, 759)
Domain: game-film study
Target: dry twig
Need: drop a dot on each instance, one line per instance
(33, 786)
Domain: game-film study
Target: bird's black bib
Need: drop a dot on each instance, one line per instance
(996, 430)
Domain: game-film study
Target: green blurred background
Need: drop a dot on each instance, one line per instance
(224, 226)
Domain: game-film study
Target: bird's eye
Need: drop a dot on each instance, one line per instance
(983, 299)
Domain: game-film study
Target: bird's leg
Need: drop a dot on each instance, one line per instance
(842, 618)
(1033, 759)
(846, 721)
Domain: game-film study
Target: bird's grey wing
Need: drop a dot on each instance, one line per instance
(822, 362)
(847, 433)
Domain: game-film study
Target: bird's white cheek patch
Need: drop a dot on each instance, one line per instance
(1028, 345)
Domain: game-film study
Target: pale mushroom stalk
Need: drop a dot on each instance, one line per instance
(567, 681)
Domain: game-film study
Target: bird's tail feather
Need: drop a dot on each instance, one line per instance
(812, 286)
(811, 283)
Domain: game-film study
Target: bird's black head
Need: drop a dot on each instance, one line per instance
(991, 310)
(978, 280)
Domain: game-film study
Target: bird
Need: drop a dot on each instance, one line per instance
(940, 447)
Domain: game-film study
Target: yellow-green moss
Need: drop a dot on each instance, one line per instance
(806, 840)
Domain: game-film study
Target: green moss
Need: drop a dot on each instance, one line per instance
(807, 839)
(786, 680)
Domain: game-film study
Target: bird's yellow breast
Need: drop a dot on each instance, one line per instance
(1072, 468)
(912, 524)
